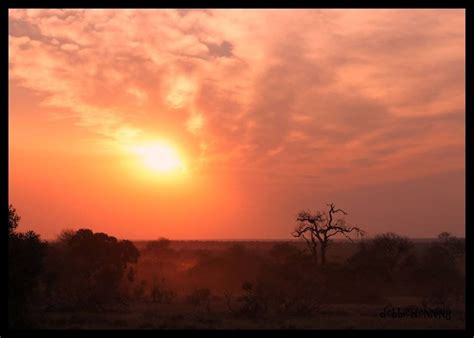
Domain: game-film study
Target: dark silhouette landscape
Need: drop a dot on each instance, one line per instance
(92, 280)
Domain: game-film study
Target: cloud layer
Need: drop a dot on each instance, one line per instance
(330, 98)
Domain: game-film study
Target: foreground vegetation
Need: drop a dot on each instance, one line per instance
(92, 280)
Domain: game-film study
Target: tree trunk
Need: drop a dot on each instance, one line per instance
(314, 249)
(323, 253)
(315, 255)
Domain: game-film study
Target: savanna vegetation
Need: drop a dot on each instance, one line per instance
(90, 280)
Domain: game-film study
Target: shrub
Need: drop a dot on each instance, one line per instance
(200, 298)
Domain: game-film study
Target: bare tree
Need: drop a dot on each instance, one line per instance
(319, 227)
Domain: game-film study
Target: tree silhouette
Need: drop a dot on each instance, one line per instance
(386, 256)
(321, 226)
(25, 259)
(160, 246)
(440, 275)
(253, 301)
(451, 246)
(87, 267)
(13, 220)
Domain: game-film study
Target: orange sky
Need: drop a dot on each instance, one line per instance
(270, 111)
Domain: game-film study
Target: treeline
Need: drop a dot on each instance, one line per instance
(287, 281)
(80, 270)
(87, 271)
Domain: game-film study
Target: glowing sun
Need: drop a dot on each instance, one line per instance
(160, 157)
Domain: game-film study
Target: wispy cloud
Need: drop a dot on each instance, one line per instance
(331, 92)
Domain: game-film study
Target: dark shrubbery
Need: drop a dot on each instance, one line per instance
(85, 269)
(251, 303)
(226, 270)
(439, 274)
(384, 256)
(290, 281)
(382, 266)
(25, 256)
(159, 247)
(160, 294)
(200, 298)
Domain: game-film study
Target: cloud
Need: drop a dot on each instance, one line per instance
(194, 123)
(220, 50)
(69, 47)
(306, 92)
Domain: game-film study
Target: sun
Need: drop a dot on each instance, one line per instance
(159, 157)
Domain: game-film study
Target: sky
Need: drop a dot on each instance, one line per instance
(256, 115)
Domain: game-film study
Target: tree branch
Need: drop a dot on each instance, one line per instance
(299, 232)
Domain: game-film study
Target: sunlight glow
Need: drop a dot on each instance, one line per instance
(160, 157)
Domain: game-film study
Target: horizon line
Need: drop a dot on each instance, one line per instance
(260, 239)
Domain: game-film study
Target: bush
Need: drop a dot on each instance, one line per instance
(252, 303)
(161, 246)
(85, 269)
(26, 252)
(161, 295)
(440, 279)
(200, 298)
(382, 266)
